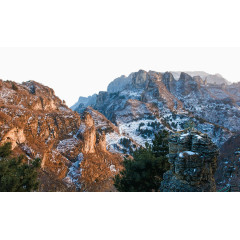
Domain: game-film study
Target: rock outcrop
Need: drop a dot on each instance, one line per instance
(108, 136)
(89, 134)
(119, 84)
(71, 147)
(34, 120)
(228, 170)
(193, 162)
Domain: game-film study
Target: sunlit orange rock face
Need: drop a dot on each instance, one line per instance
(39, 124)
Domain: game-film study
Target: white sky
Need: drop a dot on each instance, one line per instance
(74, 72)
(45, 28)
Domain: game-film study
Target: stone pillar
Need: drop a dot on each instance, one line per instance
(193, 160)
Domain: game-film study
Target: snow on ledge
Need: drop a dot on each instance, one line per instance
(188, 153)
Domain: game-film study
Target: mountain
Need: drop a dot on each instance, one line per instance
(72, 150)
(120, 83)
(146, 101)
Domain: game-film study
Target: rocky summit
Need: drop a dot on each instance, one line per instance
(193, 161)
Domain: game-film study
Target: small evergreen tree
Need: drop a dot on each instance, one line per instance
(14, 87)
(15, 174)
(160, 144)
(5, 150)
(145, 171)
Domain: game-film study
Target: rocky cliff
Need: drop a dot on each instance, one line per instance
(73, 152)
(193, 162)
(228, 171)
(145, 102)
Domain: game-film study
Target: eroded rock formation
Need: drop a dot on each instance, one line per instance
(193, 160)
(72, 149)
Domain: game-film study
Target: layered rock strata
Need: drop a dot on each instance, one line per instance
(193, 160)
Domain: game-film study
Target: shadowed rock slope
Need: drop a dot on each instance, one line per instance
(228, 171)
(193, 162)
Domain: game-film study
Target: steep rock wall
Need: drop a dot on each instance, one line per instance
(193, 160)
(39, 124)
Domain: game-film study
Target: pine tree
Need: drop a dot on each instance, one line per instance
(160, 144)
(15, 174)
(145, 171)
(5, 150)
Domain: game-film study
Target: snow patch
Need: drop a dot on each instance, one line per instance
(75, 172)
(130, 130)
(181, 154)
(113, 168)
(67, 145)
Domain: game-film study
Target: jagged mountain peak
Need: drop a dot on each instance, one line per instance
(140, 79)
(184, 76)
(155, 96)
(30, 95)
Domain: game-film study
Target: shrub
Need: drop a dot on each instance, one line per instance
(14, 87)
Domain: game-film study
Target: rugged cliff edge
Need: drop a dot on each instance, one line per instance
(39, 124)
(193, 162)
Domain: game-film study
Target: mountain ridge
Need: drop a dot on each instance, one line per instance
(39, 125)
(120, 83)
(161, 94)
